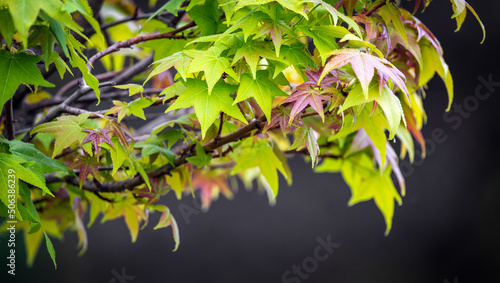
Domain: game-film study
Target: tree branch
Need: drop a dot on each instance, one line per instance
(132, 41)
(54, 112)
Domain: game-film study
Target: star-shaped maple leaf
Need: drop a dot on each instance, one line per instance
(281, 116)
(210, 185)
(310, 94)
(364, 65)
(98, 136)
(86, 165)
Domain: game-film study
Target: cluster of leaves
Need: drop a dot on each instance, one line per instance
(255, 81)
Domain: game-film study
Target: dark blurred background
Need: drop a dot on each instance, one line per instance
(446, 230)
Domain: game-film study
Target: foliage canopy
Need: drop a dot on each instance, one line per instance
(245, 84)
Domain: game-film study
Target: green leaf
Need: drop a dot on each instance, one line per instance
(16, 69)
(171, 6)
(206, 17)
(252, 51)
(336, 14)
(149, 148)
(117, 152)
(207, 107)
(132, 88)
(50, 249)
(136, 107)
(78, 62)
(25, 12)
(83, 7)
(211, 63)
(68, 129)
(30, 212)
(261, 155)
(292, 5)
(305, 137)
(132, 213)
(176, 59)
(42, 163)
(167, 219)
(261, 88)
(433, 62)
(459, 13)
(202, 158)
(11, 168)
(324, 38)
(389, 103)
(138, 167)
(378, 187)
(6, 27)
(390, 13)
(61, 66)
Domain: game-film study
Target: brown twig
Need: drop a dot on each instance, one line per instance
(54, 112)
(135, 40)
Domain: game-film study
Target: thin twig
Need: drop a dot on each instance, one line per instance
(135, 40)
(54, 112)
(134, 17)
(73, 83)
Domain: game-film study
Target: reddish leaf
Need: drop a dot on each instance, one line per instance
(87, 165)
(210, 185)
(415, 131)
(281, 116)
(98, 136)
(364, 65)
(120, 131)
(308, 94)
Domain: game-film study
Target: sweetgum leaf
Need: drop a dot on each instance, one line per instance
(207, 107)
(50, 249)
(389, 103)
(336, 14)
(16, 69)
(210, 185)
(117, 152)
(306, 138)
(11, 168)
(43, 164)
(98, 137)
(87, 166)
(262, 89)
(206, 16)
(132, 213)
(364, 66)
(252, 51)
(378, 187)
(68, 129)
(211, 63)
(167, 219)
(292, 5)
(261, 155)
(132, 88)
(177, 60)
(459, 13)
(201, 159)
(25, 12)
(390, 13)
